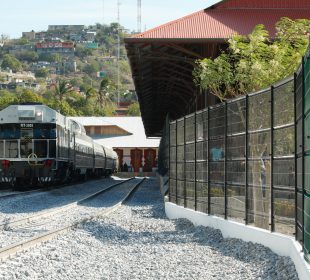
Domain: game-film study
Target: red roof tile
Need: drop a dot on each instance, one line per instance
(221, 23)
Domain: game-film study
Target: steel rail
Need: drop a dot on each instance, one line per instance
(48, 213)
(13, 249)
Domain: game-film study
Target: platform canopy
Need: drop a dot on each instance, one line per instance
(162, 59)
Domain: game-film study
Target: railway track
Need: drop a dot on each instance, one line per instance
(48, 224)
(9, 193)
(4, 195)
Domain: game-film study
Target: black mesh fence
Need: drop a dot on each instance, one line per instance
(247, 159)
(236, 160)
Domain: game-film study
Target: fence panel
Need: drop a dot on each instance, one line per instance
(248, 159)
(236, 159)
(284, 158)
(190, 157)
(202, 161)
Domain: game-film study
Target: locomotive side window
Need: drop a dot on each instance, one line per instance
(11, 149)
(44, 131)
(9, 131)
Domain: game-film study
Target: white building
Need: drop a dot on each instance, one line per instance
(127, 137)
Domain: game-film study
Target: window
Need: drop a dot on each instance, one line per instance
(11, 149)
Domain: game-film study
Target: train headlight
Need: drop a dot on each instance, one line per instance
(39, 115)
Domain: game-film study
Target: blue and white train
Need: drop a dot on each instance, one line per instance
(40, 146)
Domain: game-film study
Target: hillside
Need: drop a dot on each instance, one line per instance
(82, 61)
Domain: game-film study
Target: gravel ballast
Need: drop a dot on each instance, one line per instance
(15, 208)
(139, 242)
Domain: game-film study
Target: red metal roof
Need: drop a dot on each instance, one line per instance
(263, 4)
(221, 23)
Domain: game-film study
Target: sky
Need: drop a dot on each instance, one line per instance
(17, 16)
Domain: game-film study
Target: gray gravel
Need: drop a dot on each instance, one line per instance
(138, 242)
(15, 208)
(89, 208)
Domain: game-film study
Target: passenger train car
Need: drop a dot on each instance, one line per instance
(39, 146)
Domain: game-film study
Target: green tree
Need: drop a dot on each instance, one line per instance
(61, 89)
(50, 57)
(28, 95)
(41, 73)
(82, 52)
(62, 106)
(103, 92)
(134, 109)
(11, 62)
(6, 99)
(21, 41)
(255, 61)
(91, 68)
(29, 56)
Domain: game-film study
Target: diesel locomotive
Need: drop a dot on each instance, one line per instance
(40, 146)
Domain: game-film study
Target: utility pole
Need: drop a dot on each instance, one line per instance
(102, 12)
(118, 52)
(139, 17)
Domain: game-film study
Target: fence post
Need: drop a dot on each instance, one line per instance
(295, 163)
(195, 160)
(184, 162)
(246, 158)
(208, 153)
(176, 162)
(225, 161)
(169, 158)
(303, 147)
(271, 157)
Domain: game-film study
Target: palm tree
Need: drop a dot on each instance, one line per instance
(61, 89)
(89, 93)
(103, 92)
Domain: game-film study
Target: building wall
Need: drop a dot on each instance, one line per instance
(127, 152)
(105, 130)
(29, 35)
(66, 27)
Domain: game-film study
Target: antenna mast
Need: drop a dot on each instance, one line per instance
(139, 17)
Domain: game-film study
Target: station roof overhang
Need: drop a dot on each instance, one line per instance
(162, 59)
(162, 73)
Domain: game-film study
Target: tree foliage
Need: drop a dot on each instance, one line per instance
(134, 109)
(61, 89)
(41, 73)
(29, 56)
(11, 62)
(254, 61)
(50, 57)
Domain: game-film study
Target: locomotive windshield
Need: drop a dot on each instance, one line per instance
(22, 139)
(29, 130)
